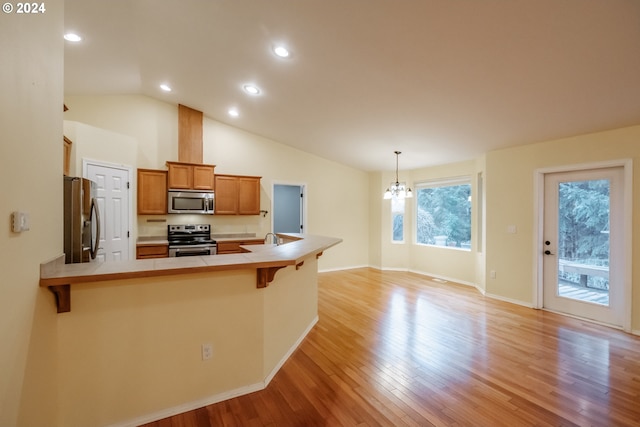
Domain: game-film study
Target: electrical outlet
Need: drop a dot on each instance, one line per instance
(207, 351)
(492, 274)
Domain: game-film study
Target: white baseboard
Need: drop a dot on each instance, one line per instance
(328, 270)
(190, 406)
(220, 397)
(288, 354)
(460, 282)
(510, 300)
(448, 279)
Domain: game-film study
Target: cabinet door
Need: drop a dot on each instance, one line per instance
(152, 192)
(228, 247)
(226, 195)
(152, 251)
(180, 176)
(66, 160)
(233, 246)
(248, 196)
(202, 177)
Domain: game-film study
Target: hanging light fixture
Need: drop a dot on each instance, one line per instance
(398, 189)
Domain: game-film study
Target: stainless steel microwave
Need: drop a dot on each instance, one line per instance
(191, 202)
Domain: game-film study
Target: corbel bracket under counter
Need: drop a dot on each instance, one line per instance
(62, 293)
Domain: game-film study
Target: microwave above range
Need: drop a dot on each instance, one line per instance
(190, 202)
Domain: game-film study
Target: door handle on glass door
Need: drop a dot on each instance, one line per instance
(548, 252)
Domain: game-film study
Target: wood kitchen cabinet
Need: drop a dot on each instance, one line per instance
(152, 192)
(66, 160)
(152, 251)
(190, 176)
(237, 195)
(233, 246)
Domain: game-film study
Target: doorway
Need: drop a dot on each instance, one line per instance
(114, 201)
(583, 244)
(288, 208)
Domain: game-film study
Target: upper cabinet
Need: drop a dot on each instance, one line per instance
(190, 176)
(237, 195)
(152, 192)
(66, 159)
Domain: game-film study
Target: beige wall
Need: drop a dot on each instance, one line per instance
(153, 124)
(510, 201)
(31, 153)
(448, 263)
(508, 177)
(132, 350)
(376, 186)
(91, 143)
(337, 196)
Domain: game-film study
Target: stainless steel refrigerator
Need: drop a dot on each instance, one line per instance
(81, 220)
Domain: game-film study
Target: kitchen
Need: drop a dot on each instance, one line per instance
(250, 330)
(233, 153)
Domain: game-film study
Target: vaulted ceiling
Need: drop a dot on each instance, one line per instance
(439, 80)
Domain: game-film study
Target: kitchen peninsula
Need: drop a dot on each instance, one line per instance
(146, 324)
(266, 259)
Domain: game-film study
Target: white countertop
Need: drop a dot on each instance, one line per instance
(297, 248)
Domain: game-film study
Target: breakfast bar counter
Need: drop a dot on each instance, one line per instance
(265, 259)
(181, 332)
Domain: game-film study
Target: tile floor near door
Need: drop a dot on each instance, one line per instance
(399, 349)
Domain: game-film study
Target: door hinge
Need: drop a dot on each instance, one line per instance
(128, 186)
(128, 235)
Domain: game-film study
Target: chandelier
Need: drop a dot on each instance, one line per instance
(398, 189)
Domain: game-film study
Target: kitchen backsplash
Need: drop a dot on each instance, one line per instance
(153, 225)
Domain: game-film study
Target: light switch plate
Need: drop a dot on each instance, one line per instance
(19, 221)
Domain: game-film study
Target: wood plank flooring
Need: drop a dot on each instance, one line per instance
(399, 349)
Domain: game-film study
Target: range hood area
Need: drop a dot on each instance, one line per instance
(189, 135)
(188, 185)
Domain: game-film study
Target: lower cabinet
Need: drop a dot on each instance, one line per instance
(152, 251)
(233, 246)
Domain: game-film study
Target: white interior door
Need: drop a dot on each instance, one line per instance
(583, 244)
(113, 201)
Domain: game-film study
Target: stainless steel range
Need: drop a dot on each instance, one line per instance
(190, 240)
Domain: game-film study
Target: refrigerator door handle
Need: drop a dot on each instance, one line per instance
(94, 208)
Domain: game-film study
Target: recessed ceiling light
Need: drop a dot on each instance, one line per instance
(72, 37)
(233, 112)
(165, 87)
(251, 89)
(281, 51)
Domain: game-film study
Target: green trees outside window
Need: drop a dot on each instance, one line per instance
(444, 214)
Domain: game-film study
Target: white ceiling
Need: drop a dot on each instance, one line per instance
(439, 80)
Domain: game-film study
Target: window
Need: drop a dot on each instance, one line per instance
(397, 218)
(443, 215)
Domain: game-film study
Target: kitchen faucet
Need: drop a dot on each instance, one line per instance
(274, 238)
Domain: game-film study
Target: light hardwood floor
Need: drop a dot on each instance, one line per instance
(399, 349)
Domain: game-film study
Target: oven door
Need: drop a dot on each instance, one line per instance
(194, 250)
